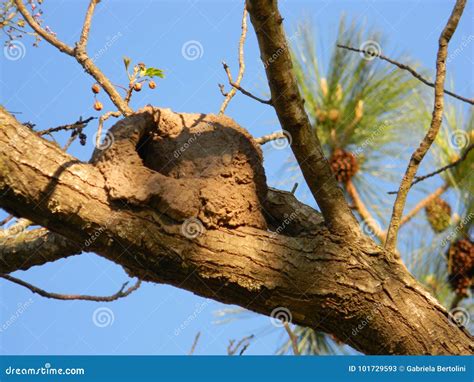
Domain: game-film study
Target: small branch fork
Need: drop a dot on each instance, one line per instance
(420, 152)
(236, 85)
(120, 294)
(409, 69)
(79, 52)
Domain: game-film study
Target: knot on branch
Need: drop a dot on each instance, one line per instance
(185, 165)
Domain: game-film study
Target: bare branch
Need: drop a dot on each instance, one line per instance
(409, 69)
(235, 85)
(440, 170)
(80, 54)
(444, 168)
(270, 137)
(80, 123)
(87, 24)
(42, 32)
(57, 296)
(430, 136)
(231, 94)
(289, 106)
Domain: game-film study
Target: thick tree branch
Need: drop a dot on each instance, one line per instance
(430, 136)
(289, 106)
(59, 296)
(329, 282)
(409, 69)
(34, 247)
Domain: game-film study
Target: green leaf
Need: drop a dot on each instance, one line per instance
(126, 61)
(153, 72)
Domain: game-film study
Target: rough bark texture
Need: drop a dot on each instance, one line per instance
(289, 106)
(328, 281)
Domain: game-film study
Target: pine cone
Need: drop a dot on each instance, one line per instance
(461, 265)
(344, 165)
(438, 213)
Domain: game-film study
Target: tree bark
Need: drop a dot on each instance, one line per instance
(345, 286)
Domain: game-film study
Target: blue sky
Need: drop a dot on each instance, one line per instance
(50, 89)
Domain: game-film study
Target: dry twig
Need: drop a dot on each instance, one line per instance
(420, 152)
(57, 296)
(409, 69)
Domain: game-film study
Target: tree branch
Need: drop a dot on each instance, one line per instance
(42, 32)
(270, 137)
(236, 85)
(79, 123)
(327, 281)
(430, 136)
(409, 69)
(87, 24)
(289, 106)
(34, 247)
(232, 91)
(57, 296)
(80, 54)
